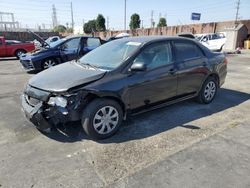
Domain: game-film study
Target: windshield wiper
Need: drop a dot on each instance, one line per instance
(92, 66)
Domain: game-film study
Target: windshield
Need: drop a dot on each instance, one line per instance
(110, 55)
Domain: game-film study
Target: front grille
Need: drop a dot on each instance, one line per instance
(27, 64)
(32, 101)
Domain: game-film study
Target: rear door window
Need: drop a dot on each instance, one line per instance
(156, 55)
(215, 36)
(187, 51)
(72, 44)
(1, 42)
(93, 42)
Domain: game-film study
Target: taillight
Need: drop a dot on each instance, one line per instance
(225, 61)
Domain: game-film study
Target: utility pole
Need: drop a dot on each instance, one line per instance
(125, 15)
(107, 23)
(54, 16)
(165, 16)
(237, 13)
(142, 24)
(160, 16)
(152, 19)
(72, 17)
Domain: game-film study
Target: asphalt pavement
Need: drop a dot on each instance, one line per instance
(183, 145)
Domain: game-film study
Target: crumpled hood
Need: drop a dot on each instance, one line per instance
(65, 76)
(43, 50)
(38, 38)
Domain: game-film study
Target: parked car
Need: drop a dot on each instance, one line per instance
(44, 42)
(119, 36)
(52, 39)
(213, 41)
(12, 48)
(121, 78)
(61, 51)
(9, 42)
(187, 35)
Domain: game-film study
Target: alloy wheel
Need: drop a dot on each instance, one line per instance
(106, 120)
(210, 91)
(20, 53)
(49, 63)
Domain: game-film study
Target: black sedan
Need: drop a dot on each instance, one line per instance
(63, 50)
(121, 78)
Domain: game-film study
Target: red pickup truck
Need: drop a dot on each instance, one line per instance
(11, 48)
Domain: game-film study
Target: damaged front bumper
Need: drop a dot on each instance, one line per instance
(44, 114)
(35, 115)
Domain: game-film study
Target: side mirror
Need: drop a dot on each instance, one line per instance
(62, 47)
(140, 66)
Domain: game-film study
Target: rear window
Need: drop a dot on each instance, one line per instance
(215, 36)
(187, 50)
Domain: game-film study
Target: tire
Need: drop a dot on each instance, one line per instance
(94, 122)
(208, 91)
(20, 52)
(48, 63)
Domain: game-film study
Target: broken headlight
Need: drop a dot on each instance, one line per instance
(58, 101)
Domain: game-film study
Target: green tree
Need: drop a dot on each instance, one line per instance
(162, 22)
(60, 29)
(135, 21)
(100, 23)
(90, 27)
(70, 30)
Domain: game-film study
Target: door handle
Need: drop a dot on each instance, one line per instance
(172, 71)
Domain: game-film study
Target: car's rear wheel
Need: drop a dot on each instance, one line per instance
(208, 91)
(19, 53)
(48, 63)
(102, 118)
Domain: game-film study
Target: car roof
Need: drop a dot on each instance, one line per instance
(77, 36)
(147, 39)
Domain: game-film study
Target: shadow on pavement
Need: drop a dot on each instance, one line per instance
(8, 59)
(158, 121)
(32, 72)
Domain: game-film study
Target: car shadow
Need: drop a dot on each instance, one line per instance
(33, 72)
(157, 121)
(8, 59)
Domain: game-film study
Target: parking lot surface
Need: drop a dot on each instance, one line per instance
(186, 144)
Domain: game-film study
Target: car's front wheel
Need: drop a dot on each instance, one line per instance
(48, 63)
(208, 91)
(102, 118)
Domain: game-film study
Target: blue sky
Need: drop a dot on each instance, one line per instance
(33, 12)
